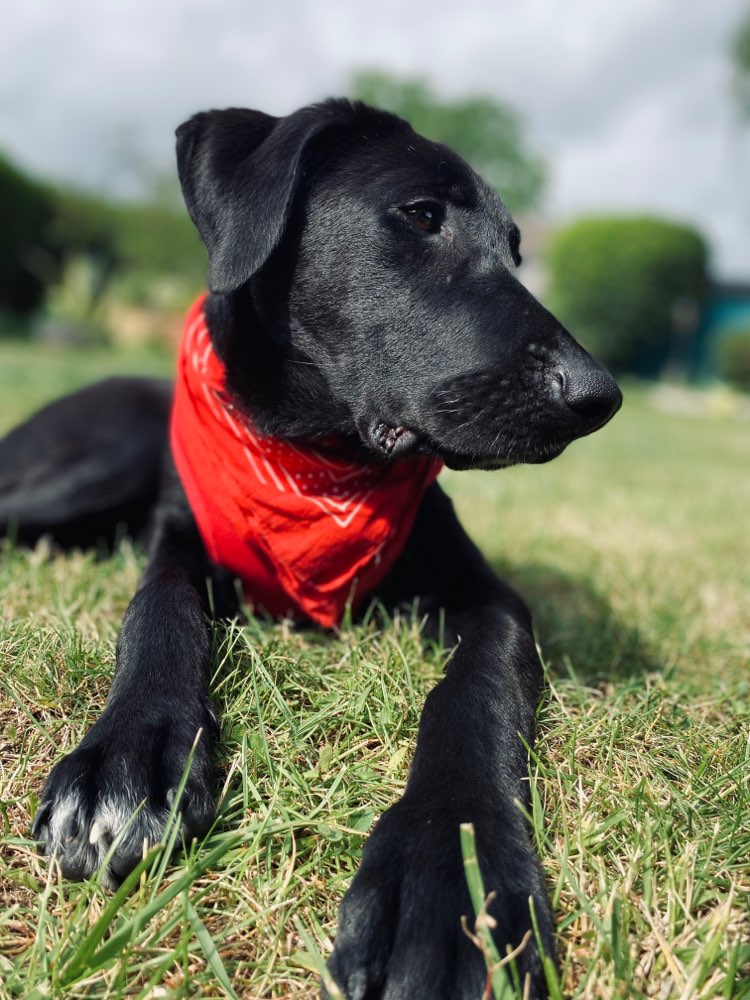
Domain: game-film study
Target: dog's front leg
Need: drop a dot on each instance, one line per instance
(121, 780)
(400, 929)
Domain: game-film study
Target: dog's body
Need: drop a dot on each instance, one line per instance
(362, 290)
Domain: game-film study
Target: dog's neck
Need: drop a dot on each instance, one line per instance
(285, 396)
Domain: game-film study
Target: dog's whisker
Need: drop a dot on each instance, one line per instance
(471, 420)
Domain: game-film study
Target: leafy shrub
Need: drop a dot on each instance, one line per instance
(27, 259)
(155, 239)
(616, 282)
(145, 240)
(733, 358)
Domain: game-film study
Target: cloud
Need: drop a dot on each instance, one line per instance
(629, 101)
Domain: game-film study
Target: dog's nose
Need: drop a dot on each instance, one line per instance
(589, 390)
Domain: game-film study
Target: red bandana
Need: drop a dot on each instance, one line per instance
(305, 530)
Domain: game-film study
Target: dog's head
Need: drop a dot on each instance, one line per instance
(380, 270)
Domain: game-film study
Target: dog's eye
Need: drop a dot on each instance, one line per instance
(428, 215)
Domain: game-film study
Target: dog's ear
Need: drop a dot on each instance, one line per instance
(240, 171)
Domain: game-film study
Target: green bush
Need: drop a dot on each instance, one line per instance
(131, 247)
(733, 358)
(27, 259)
(156, 238)
(617, 282)
(49, 231)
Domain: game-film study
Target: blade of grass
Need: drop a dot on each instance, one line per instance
(209, 949)
(313, 959)
(501, 987)
(79, 963)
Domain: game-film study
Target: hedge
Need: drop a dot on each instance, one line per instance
(616, 283)
(27, 260)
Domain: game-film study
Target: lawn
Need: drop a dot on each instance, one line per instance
(634, 552)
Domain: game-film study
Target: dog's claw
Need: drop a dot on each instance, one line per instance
(96, 832)
(69, 829)
(356, 987)
(39, 824)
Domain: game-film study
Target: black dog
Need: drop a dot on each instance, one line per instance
(362, 290)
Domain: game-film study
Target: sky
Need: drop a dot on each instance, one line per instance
(629, 101)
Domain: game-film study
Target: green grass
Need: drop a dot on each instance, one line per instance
(633, 550)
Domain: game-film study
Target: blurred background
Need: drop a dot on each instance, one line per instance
(619, 135)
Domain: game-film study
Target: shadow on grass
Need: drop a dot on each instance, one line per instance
(576, 627)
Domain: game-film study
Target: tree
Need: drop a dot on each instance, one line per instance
(488, 133)
(624, 285)
(27, 258)
(741, 60)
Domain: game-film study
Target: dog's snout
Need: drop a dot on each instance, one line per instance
(589, 390)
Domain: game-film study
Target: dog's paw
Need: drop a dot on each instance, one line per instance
(400, 931)
(120, 784)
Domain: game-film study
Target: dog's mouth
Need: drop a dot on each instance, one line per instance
(518, 456)
(393, 440)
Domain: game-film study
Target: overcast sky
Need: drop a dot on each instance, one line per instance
(628, 100)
